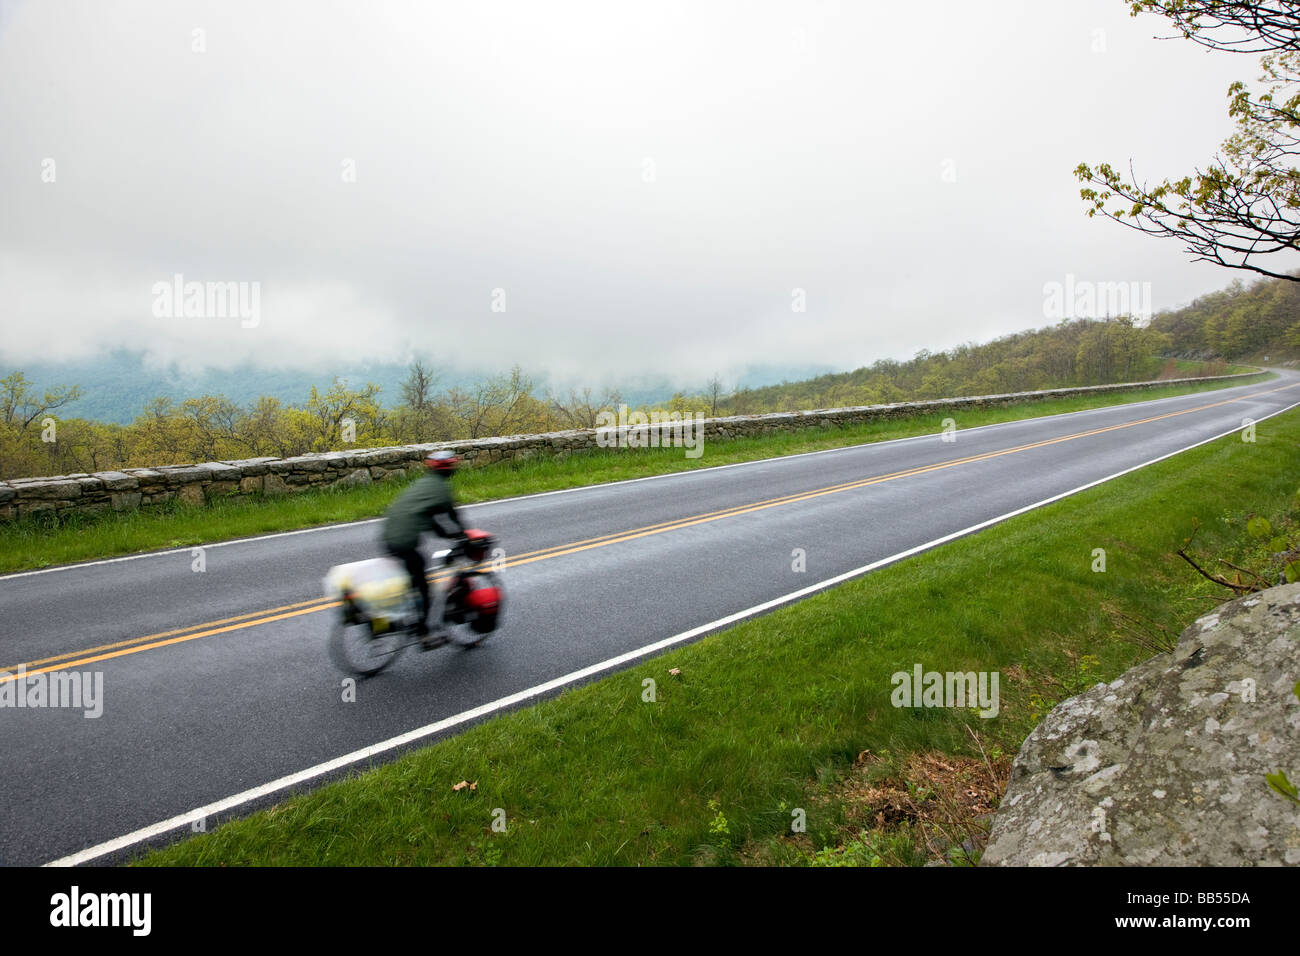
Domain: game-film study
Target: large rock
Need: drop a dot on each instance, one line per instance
(40, 488)
(358, 476)
(1166, 765)
(251, 467)
(125, 500)
(118, 481)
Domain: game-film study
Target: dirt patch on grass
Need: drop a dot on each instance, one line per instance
(932, 808)
(945, 802)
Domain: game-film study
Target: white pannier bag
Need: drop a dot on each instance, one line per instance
(380, 587)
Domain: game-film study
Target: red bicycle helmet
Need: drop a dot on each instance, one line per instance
(443, 462)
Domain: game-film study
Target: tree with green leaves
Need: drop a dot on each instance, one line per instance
(1240, 210)
(343, 416)
(23, 411)
(499, 405)
(21, 406)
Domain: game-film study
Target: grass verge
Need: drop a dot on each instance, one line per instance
(790, 713)
(43, 540)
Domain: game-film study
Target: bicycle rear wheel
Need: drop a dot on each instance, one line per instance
(356, 649)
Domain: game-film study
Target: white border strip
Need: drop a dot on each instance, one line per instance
(624, 481)
(503, 703)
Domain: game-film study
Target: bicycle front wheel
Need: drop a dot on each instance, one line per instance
(356, 649)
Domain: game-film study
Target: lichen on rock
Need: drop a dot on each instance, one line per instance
(1166, 765)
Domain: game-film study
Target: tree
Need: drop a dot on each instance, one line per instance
(266, 429)
(214, 428)
(20, 406)
(580, 410)
(92, 446)
(159, 433)
(1237, 26)
(417, 389)
(1242, 210)
(713, 392)
(502, 405)
(1117, 350)
(331, 413)
(421, 418)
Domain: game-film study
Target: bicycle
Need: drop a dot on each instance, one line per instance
(380, 609)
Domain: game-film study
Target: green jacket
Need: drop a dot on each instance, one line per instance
(417, 510)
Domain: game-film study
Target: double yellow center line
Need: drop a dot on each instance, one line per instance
(255, 618)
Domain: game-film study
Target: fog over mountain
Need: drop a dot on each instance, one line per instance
(116, 385)
(597, 192)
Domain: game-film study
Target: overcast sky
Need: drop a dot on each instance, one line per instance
(647, 184)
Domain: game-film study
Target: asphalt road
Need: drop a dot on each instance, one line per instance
(210, 707)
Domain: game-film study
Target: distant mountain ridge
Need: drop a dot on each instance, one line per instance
(117, 385)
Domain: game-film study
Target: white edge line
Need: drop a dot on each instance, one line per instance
(502, 703)
(609, 484)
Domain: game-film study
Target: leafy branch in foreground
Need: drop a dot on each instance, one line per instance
(1235, 26)
(1278, 781)
(1244, 206)
(1270, 547)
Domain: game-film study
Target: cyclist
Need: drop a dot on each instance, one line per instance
(422, 507)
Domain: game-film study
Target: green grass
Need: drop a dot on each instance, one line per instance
(767, 715)
(1191, 367)
(43, 540)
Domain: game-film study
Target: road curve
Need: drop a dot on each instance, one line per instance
(217, 683)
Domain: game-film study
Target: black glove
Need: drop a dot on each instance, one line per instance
(458, 545)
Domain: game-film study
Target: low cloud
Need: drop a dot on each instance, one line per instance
(593, 191)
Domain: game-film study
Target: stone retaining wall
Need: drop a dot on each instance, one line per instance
(133, 488)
